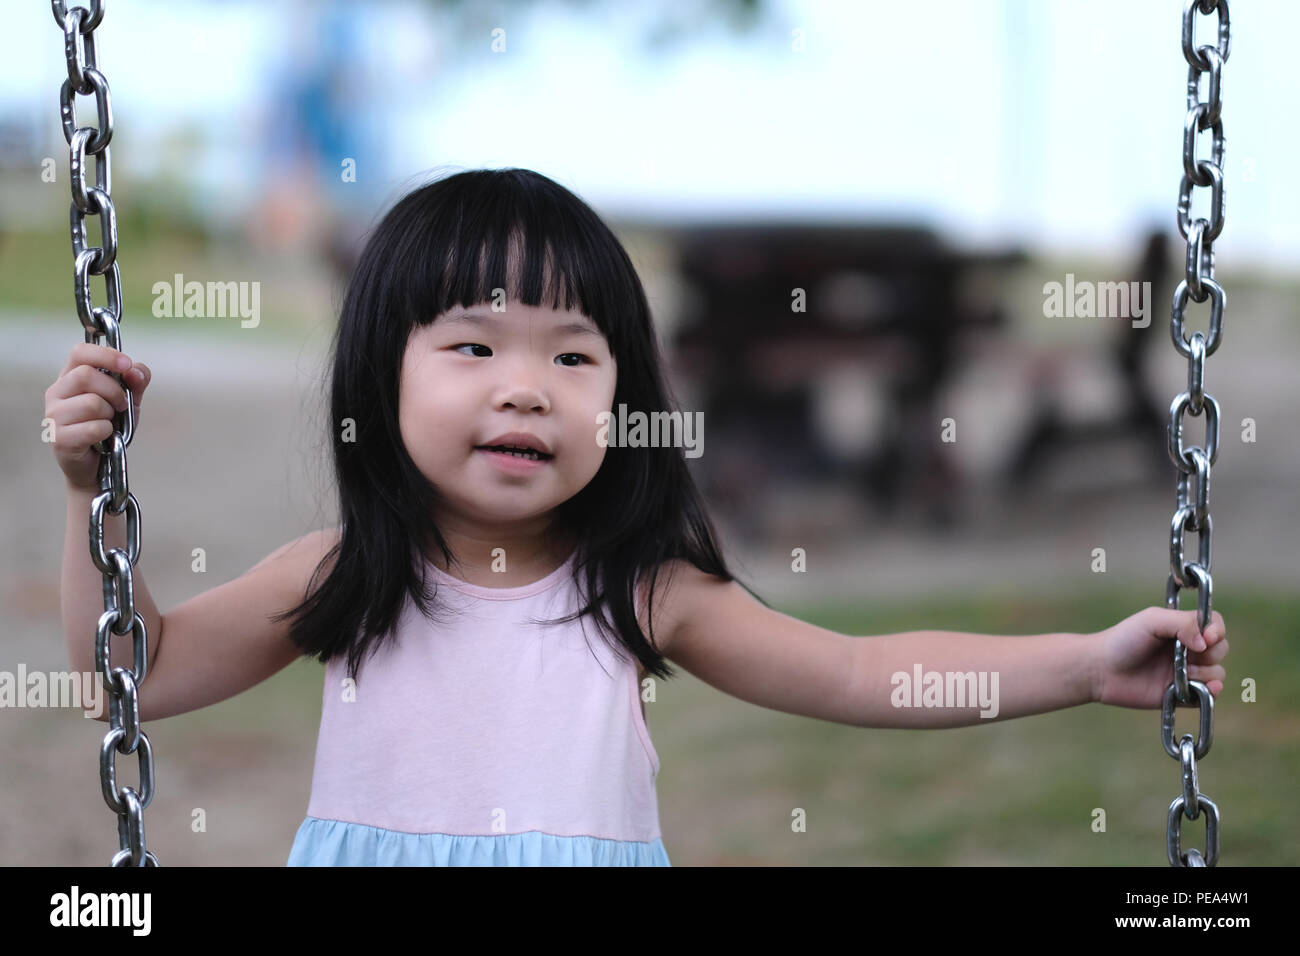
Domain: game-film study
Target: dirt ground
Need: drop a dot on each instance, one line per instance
(228, 459)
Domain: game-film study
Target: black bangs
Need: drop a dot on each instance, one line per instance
(510, 234)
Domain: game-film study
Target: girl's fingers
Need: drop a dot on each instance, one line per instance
(1184, 626)
(96, 356)
(1206, 674)
(1190, 636)
(84, 380)
(1216, 631)
(1179, 625)
(1216, 653)
(137, 381)
(1213, 655)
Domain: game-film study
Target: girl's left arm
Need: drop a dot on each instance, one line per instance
(954, 679)
(723, 636)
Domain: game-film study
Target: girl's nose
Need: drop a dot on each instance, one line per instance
(523, 395)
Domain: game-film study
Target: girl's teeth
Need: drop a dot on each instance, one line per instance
(531, 455)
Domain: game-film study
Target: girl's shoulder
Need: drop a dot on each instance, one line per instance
(298, 566)
(678, 585)
(312, 548)
(305, 552)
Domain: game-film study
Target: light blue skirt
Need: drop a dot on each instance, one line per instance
(322, 842)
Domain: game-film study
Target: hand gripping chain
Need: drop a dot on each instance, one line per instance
(1193, 510)
(120, 617)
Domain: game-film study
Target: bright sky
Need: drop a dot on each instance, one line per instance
(1053, 122)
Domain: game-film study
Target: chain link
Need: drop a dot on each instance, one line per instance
(125, 735)
(1193, 463)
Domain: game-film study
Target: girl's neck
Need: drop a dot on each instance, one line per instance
(513, 566)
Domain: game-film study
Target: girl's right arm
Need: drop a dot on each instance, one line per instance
(215, 645)
(220, 642)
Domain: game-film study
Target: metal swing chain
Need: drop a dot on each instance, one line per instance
(125, 735)
(1193, 511)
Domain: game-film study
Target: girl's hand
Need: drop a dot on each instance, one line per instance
(82, 402)
(1135, 660)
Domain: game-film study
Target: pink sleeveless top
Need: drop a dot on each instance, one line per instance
(489, 726)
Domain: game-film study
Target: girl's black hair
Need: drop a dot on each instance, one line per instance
(450, 243)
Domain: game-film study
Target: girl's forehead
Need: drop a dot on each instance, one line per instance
(518, 315)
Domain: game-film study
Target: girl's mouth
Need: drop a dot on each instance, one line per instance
(515, 462)
(529, 453)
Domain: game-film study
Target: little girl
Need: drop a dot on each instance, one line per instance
(488, 526)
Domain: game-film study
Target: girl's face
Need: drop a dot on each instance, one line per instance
(473, 375)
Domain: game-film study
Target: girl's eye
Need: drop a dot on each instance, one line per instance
(474, 345)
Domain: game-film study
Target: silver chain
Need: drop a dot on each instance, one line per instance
(125, 735)
(1193, 511)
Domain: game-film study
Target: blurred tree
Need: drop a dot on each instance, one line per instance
(317, 119)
